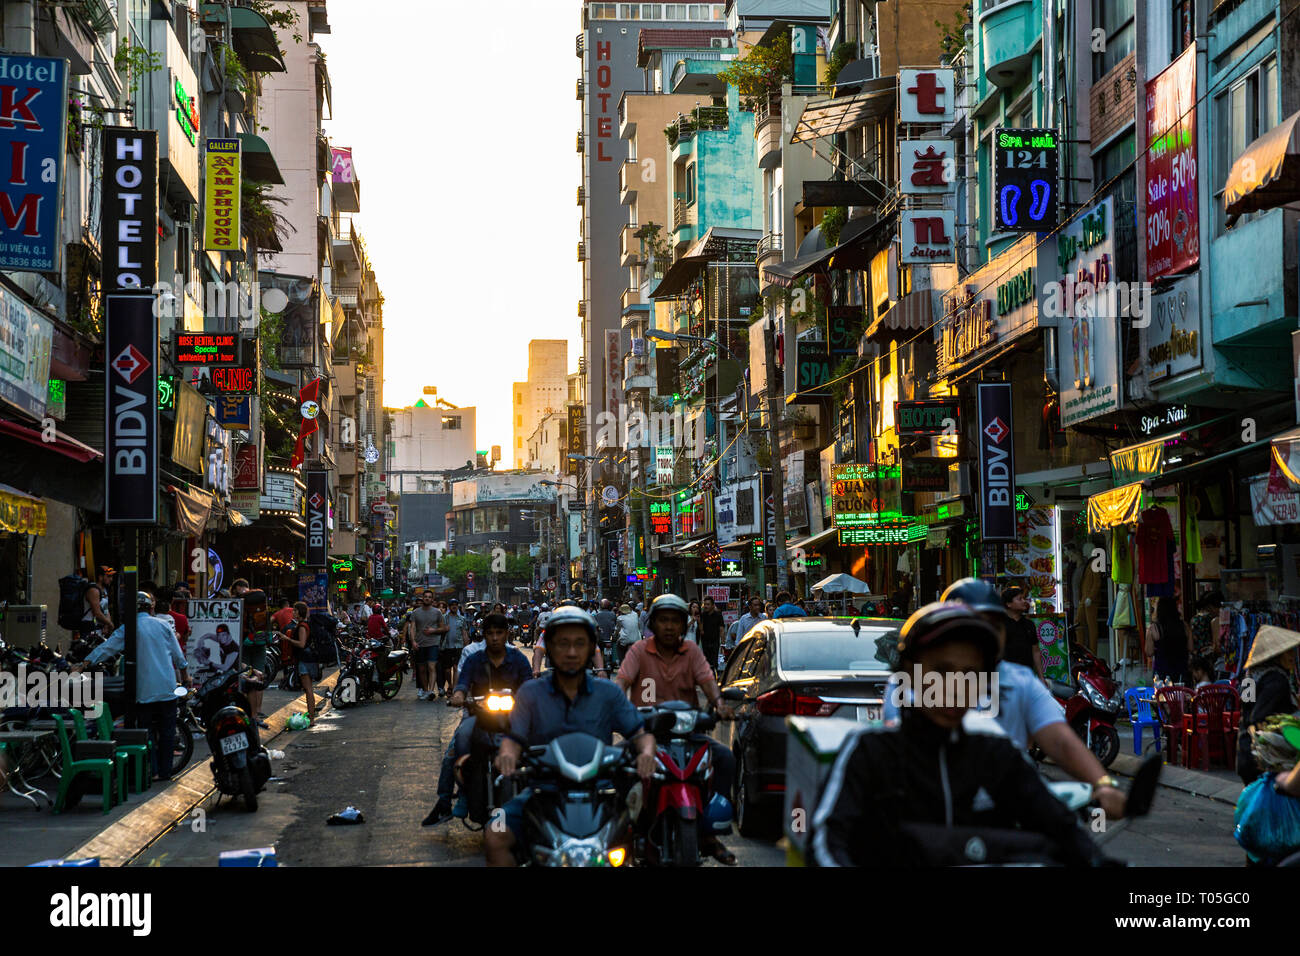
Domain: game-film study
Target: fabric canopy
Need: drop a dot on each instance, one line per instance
(192, 510)
(1286, 455)
(828, 117)
(912, 313)
(256, 160)
(21, 513)
(1115, 507)
(842, 584)
(1137, 462)
(1267, 173)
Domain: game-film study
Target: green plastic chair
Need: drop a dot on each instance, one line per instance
(73, 768)
(119, 759)
(131, 745)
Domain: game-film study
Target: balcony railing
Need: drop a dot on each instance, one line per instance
(699, 119)
(681, 212)
(581, 88)
(767, 107)
(773, 242)
(582, 195)
(577, 45)
(680, 69)
(582, 251)
(580, 141)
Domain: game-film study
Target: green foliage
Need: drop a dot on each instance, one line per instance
(953, 37)
(455, 566)
(840, 57)
(136, 62)
(832, 222)
(839, 377)
(258, 218)
(519, 566)
(285, 19)
(761, 71)
(236, 73)
(655, 244)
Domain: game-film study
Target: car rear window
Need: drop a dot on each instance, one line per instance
(837, 650)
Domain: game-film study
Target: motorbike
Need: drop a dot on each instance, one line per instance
(372, 668)
(1091, 703)
(669, 818)
(240, 764)
(526, 634)
(576, 815)
(188, 726)
(476, 775)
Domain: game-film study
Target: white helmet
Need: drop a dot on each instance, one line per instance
(669, 602)
(568, 616)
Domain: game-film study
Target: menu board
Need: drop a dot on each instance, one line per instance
(1034, 560)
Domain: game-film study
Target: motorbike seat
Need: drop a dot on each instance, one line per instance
(1060, 689)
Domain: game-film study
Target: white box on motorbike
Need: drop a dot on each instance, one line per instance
(812, 744)
(24, 625)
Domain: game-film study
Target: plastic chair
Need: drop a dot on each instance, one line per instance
(1138, 702)
(73, 768)
(1209, 723)
(119, 759)
(130, 745)
(1172, 704)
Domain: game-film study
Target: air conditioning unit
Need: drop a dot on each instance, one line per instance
(719, 43)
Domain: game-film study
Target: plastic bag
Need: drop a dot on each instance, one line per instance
(298, 722)
(348, 816)
(1267, 822)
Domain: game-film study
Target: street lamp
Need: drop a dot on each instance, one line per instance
(683, 337)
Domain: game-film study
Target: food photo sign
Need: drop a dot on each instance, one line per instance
(1034, 561)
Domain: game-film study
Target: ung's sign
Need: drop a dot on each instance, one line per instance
(318, 504)
(33, 131)
(997, 464)
(130, 208)
(131, 410)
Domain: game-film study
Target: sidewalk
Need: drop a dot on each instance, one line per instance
(1219, 784)
(29, 836)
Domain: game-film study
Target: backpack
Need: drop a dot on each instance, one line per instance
(321, 641)
(72, 601)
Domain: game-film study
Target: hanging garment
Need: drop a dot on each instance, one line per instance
(1155, 541)
(1122, 614)
(1164, 588)
(1192, 533)
(1121, 555)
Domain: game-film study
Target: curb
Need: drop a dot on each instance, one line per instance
(1192, 782)
(123, 841)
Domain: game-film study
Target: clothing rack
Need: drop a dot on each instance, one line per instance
(1245, 618)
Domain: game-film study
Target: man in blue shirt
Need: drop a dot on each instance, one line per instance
(497, 667)
(567, 700)
(158, 658)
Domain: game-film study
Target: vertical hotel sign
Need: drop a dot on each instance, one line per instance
(130, 204)
(221, 185)
(131, 410)
(1173, 226)
(33, 130)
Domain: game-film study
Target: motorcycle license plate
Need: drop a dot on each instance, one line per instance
(233, 745)
(870, 712)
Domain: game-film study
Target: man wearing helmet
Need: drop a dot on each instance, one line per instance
(665, 667)
(567, 700)
(897, 789)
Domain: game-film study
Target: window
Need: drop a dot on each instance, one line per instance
(690, 184)
(519, 443)
(450, 422)
(1245, 112)
(519, 421)
(738, 658)
(674, 11)
(1184, 25)
(629, 11)
(652, 11)
(1116, 18)
(1113, 160)
(519, 398)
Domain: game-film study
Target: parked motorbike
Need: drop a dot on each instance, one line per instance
(373, 668)
(1092, 703)
(188, 726)
(240, 764)
(476, 775)
(575, 816)
(668, 824)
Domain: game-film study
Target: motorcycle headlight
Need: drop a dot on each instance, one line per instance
(502, 702)
(580, 853)
(685, 723)
(617, 856)
(1093, 695)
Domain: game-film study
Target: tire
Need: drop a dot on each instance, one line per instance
(347, 692)
(272, 665)
(751, 821)
(183, 751)
(1105, 745)
(248, 789)
(684, 837)
(388, 690)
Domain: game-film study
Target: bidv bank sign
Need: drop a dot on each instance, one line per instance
(130, 242)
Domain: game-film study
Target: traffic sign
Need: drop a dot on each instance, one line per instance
(469, 579)
(550, 584)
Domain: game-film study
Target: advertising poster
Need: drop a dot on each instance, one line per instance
(1172, 227)
(313, 590)
(221, 195)
(1053, 645)
(216, 626)
(1088, 316)
(26, 339)
(1033, 562)
(33, 129)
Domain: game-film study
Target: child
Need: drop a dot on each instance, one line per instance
(1202, 672)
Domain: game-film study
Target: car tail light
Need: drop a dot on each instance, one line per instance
(784, 702)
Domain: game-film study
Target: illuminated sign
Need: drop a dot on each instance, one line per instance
(930, 417)
(866, 495)
(167, 392)
(187, 116)
(904, 534)
(731, 568)
(214, 349)
(1025, 176)
(234, 379)
(341, 567)
(661, 517)
(221, 195)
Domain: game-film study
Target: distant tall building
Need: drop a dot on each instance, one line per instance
(426, 439)
(545, 391)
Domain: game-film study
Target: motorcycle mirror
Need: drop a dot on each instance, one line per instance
(733, 693)
(1143, 791)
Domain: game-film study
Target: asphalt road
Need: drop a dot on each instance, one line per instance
(382, 757)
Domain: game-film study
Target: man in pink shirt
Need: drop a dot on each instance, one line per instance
(666, 667)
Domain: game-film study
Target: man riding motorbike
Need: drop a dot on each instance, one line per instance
(898, 788)
(497, 667)
(666, 667)
(566, 700)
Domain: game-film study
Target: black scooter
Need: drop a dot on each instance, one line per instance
(476, 775)
(240, 764)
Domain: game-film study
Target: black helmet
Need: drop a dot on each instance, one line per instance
(975, 593)
(945, 621)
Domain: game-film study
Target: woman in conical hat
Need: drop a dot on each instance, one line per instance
(1268, 688)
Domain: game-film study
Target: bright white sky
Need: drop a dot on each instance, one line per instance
(462, 118)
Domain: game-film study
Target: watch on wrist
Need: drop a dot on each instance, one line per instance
(1106, 781)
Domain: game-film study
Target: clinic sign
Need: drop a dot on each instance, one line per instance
(33, 132)
(130, 204)
(131, 410)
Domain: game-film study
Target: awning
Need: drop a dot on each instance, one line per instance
(192, 510)
(21, 513)
(1286, 454)
(828, 117)
(1267, 174)
(236, 518)
(690, 545)
(855, 234)
(65, 445)
(251, 35)
(1137, 462)
(256, 159)
(810, 540)
(740, 543)
(1115, 507)
(680, 275)
(785, 273)
(912, 313)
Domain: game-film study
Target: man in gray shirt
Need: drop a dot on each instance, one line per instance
(427, 625)
(452, 642)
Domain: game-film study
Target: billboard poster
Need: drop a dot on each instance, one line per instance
(1173, 226)
(221, 195)
(1088, 316)
(130, 208)
(997, 464)
(26, 338)
(341, 170)
(131, 410)
(33, 133)
(313, 589)
(216, 629)
(318, 502)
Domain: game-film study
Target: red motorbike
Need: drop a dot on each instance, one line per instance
(1092, 702)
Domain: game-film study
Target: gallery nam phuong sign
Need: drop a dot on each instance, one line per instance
(221, 195)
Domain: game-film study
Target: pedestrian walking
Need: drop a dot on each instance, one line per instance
(308, 666)
(453, 641)
(427, 628)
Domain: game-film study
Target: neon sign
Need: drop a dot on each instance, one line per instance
(186, 114)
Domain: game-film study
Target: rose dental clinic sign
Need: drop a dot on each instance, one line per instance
(33, 131)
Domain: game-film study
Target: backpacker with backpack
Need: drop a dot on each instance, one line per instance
(322, 641)
(72, 601)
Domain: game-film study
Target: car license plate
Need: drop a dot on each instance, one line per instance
(870, 712)
(233, 744)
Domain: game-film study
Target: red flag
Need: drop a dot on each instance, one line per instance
(307, 426)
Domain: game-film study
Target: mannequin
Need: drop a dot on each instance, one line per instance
(1088, 600)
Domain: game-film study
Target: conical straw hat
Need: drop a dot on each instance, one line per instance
(1270, 642)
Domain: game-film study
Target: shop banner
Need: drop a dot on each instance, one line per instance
(33, 132)
(1137, 462)
(721, 594)
(221, 195)
(664, 464)
(130, 208)
(187, 437)
(192, 510)
(1033, 560)
(1270, 506)
(1115, 507)
(1173, 220)
(216, 629)
(1084, 303)
(317, 519)
(1053, 645)
(26, 339)
(1174, 341)
(131, 410)
(997, 464)
(235, 411)
(341, 170)
(20, 514)
(925, 474)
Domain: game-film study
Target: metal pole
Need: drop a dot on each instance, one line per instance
(126, 596)
(774, 439)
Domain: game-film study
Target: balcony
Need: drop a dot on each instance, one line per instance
(346, 244)
(628, 174)
(698, 73)
(581, 89)
(626, 127)
(770, 249)
(577, 45)
(1010, 32)
(637, 372)
(629, 245)
(580, 141)
(767, 131)
(582, 195)
(582, 252)
(700, 119)
(582, 308)
(630, 298)
(683, 213)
